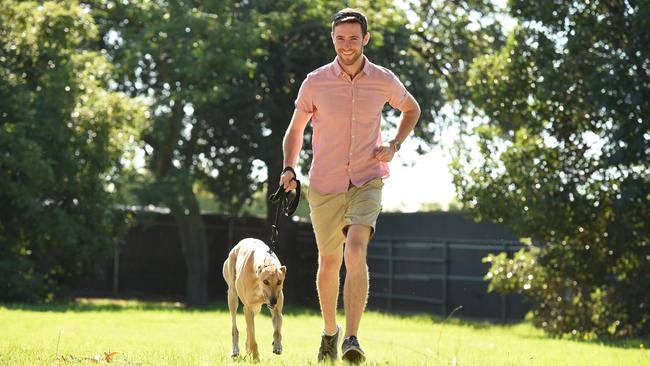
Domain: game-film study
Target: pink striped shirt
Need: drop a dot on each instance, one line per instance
(346, 119)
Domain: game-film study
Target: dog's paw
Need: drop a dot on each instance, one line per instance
(277, 349)
(234, 353)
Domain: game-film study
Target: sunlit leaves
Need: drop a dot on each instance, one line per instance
(62, 134)
(564, 160)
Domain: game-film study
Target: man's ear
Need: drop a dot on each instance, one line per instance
(284, 270)
(366, 39)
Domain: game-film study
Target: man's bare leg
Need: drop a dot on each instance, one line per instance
(327, 284)
(355, 290)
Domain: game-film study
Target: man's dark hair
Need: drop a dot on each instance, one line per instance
(349, 15)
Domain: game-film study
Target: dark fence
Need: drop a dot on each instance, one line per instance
(417, 263)
(432, 263)
(150, 261)
(436, 276)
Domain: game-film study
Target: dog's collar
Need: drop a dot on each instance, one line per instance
(271, 255)
(272, 263)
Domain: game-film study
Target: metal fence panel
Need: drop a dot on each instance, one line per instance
(416, 261)
(437, 275)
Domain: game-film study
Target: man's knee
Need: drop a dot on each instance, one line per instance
(355, 254)
(329, 263)
(356, 245)
(357, 234)
(357, 238)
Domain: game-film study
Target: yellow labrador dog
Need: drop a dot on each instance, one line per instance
(254, 274)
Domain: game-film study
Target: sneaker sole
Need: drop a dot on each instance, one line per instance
(353, 356)
(327, 360)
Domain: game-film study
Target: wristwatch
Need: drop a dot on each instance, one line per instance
(395, 145)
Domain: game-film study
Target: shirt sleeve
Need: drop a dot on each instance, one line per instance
(304, 101)
(396, 92)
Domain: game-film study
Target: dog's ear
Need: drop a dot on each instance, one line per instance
(284, 271)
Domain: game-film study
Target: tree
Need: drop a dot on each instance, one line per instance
(565, 160)
(222, 79)
(295, 40)
(448, 36)
(186, 58)
(220, 99)
(62, 134)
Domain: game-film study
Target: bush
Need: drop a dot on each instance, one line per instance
(616, 307)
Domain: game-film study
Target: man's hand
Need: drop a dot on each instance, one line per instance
(385, 153)
(288, 181)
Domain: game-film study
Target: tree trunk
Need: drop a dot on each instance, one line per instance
(195, 250)
(185, 209)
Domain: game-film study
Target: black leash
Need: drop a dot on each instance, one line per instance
(283, 198)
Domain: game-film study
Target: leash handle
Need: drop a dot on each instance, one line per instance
(290, 205)
(281, 196)
(289, 169)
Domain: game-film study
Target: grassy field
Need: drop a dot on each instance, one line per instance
(167, 334)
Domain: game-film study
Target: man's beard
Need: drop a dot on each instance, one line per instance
(346, 60)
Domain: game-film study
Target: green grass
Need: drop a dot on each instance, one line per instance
(167, 334)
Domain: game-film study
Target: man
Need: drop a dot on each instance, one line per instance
(344, 100)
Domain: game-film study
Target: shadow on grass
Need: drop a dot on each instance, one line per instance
(118, 305)
(453, 319)
(478, 324)
(627, 343)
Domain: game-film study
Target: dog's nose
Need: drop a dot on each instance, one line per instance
(273, 301)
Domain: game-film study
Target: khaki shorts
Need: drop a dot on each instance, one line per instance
(332, 213)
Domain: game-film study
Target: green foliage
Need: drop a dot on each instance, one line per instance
(564, 148)
(239, 65)
(430, 207)
(187, 60)
(255, 207)
(221, 78)
(294, 40)
(451, 206)
(447, 36)
(563, 305)
(62, 133)
(184, 59)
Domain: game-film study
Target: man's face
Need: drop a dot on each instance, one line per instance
(349, 42)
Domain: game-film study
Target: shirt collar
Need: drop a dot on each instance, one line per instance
(337, 69)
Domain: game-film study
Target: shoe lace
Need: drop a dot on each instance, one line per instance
(353, 341)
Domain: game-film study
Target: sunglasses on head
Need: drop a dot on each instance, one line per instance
(342, 15)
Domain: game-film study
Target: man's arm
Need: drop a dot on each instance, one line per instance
(291, 146)
(410, 114)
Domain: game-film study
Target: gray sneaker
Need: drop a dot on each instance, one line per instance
(352, 352)
(328, 347)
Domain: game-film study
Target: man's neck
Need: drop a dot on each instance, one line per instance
(354, 69)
